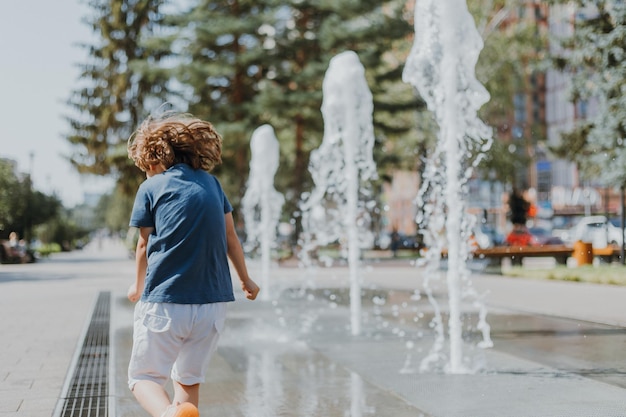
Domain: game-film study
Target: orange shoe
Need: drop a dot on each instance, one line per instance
(181, 410)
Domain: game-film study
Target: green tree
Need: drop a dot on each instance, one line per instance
(113, 211)
(595, 58)
(513, 52)
(221, 58)
(114, 92)
(9, 193)
(405, 129)
(21, 207)
(306, 38)
(244, 63)
(43, 208)
(62, 230)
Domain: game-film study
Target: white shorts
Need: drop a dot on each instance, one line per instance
(174, 340)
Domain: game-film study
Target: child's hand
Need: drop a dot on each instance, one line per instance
(250, 288)
(133, 293)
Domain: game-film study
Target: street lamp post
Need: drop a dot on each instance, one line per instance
(28, 215)
(622, 223)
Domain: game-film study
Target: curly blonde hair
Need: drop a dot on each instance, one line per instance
(175, 138)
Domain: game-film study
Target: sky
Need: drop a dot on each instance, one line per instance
(38, 58)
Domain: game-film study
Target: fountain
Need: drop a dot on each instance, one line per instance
(441, 67)
(262, 204)
(337, 209)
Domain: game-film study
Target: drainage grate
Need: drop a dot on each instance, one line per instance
(86, 393)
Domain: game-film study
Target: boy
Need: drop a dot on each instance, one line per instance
(183, 282)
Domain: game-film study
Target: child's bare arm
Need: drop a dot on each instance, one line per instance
(236, 256)
(141, 263)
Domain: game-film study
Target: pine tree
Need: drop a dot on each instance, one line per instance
(238, 63)
(245, 63)
(111, 100)
(307, 37)
(221, 58)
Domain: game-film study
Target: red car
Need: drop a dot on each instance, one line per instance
(534, 236)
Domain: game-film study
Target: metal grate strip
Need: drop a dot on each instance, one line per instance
(87, 391)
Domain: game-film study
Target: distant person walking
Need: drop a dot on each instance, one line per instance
(518, 206)
(183, 281)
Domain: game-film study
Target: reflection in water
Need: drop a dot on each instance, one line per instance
(264, 392)
(279, 356)
(267, 394)
(358, 406)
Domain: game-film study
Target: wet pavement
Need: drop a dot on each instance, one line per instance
(294, 356)
(269, 364)
(567, 346)
(559, 348)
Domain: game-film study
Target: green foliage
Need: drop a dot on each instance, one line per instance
(63, 232)
(609, 274)
(114, 89)
(9, 194)
(21, 207)
(244, 63)
(310, 35)
(221, 61)
(113, 211)
(594, 57)
(42, 208)
(46, 250)
(241, 64)
(66, 229)
(503, 162)
(512, 52)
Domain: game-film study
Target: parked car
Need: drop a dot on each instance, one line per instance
(395, 241)
(402, 241)
(544, 236)
(596, 230)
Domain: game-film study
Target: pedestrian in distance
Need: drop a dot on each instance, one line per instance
(183, 281)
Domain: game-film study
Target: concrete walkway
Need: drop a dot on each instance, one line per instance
(559, 347)
(44, 308)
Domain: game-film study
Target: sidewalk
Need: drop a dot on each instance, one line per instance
(44, 308)
(293, 354)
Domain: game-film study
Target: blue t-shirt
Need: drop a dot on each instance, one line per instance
(187, 252)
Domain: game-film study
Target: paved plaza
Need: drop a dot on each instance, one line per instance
(559, 347)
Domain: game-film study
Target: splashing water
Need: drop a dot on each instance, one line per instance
(262, 204)
(441, 67)
(337, 209)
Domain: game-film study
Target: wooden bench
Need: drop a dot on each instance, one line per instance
(608, 253)
(517, 253)
(559, 252)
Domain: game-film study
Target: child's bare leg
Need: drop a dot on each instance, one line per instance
(186, 393)
(152, 397)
